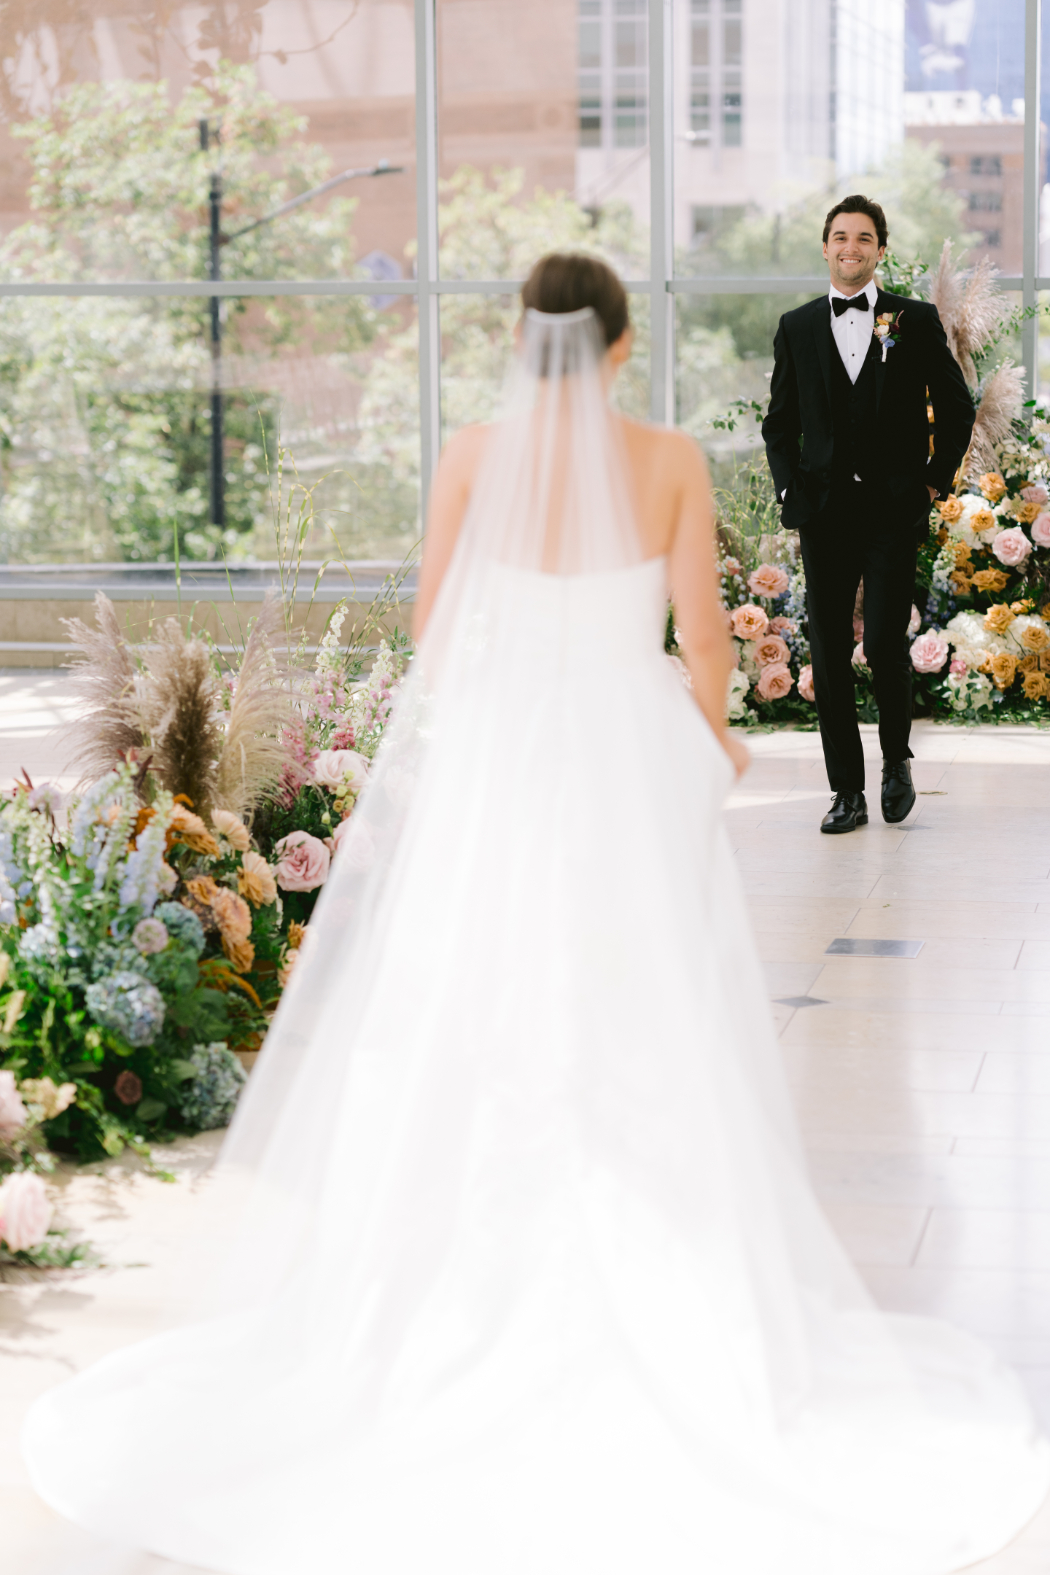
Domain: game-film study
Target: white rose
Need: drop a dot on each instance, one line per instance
(339, 768)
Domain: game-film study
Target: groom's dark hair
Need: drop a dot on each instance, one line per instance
(858, 204)
(569, 281)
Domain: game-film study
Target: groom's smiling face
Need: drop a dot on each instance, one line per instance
(853, 252)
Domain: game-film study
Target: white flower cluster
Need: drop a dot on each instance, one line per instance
(145, 873)
(329, 656)
(973, 641)
(736, 696)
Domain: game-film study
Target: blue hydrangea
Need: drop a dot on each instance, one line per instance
(182, 924)
(128, 1005)
(209, 1098)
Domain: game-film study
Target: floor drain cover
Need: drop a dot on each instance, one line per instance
(853, 946)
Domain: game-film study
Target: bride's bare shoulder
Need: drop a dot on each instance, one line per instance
(665, 447)
(460, 455)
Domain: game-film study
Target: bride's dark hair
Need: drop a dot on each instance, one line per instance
(569, 281)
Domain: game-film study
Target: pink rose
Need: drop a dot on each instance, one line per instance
(768, 580)
(748, 622)
(25, 1212)
(733, 567)
(1011, 547)
(958, 665)
(915, 621)
(771, 651)
(302, 862)
(774, 682)
(781, 626)
(858, 658)
(805, 684)
(929, 653)
(1041, 530)
(1036, 493)
(13, 1114)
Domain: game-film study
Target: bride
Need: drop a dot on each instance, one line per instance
(518, 1269)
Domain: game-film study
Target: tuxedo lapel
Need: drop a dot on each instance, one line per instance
(883, 303)
(825, 342)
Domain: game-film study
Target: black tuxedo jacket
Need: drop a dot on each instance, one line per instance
(800, 408)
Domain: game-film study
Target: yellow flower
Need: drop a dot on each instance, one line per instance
(982, 519)
(240, 953)
(950, 510)
(1004, 669)
(296, 933)
(1036, 686)
(960, 582)
(255, 880)
(1027, 512)
(232, 828)
(998, 619)
(992, 485)
(1035, 637)
(190, 829)
(1028, 664)
(962, 553)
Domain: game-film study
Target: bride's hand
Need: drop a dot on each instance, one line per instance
(737, 751)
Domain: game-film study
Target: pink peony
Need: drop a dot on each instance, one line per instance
(1036, 493)
(805, 684)
(915, 621)
(929, 653)
(748, 622)
(302, 862)
(774, 682)
(13, 1114)
(1041, 530)
(768, 580)
(1011, 547)
(781, 626)
(25, 1212)
(771, 651)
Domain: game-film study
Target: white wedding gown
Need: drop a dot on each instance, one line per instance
(527, 1277)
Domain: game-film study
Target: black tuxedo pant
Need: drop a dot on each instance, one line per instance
(854, 537)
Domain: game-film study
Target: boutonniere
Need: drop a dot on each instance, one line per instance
(887, 330)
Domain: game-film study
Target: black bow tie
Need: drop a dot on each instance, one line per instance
(859, 303)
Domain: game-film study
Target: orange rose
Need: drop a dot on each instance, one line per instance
(749, 622)
(990, 580)
(962, 553)
(982, 519)
(998, 619)
(1004, 669)
(992, 485)
(1027, 512)
(1036, 686)
(950, 510)
(960, 582)
(1035, 637)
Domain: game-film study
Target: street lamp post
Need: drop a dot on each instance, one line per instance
(216, 240)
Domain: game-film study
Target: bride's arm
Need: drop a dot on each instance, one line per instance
(449, 495)
(699, 616)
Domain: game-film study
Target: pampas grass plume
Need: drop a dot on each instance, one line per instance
(105, 679)
(252, 755)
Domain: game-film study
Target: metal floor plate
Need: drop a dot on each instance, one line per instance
(854, 946)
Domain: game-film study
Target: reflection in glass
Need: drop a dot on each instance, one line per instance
(108, 417)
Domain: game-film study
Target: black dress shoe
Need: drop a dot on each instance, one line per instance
(898, 794)
(847, 813)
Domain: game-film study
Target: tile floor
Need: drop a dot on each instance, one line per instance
(922, 1083)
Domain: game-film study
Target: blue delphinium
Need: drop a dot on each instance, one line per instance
(182, 924)
(208, 1099)
(128, 1005)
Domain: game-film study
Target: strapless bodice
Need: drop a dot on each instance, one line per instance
(574, 621)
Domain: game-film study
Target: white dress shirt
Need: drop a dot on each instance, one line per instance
(852, 330)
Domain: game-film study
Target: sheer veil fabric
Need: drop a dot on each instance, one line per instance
(513, 1264)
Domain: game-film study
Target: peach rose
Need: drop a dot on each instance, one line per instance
(999, 618)
(929, 653)
(1011, 546)
(302, 861)
(1036, 686)
(1041, 530)
(805, 684)
(255, 880)
(13, 1113)
(782, 626)
(232, 828)
(25, 1212)
(1035, 637)
(950, 510)
(771, 651)
(961, 551)
(992, 485)
(990, 580)
(748, 622)
(774, 682)
(960, 581)
(1004, 669)
(1026, 512)
(286, 965)
(981, 520)
(768, 580)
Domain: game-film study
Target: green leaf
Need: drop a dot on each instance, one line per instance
(150, 1109)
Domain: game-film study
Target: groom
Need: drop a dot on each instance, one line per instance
(847, 438)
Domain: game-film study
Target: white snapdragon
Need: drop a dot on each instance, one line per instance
(329, 656)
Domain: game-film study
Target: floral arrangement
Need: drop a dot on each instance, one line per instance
(28, 1237)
